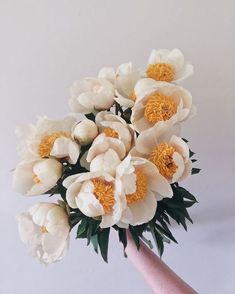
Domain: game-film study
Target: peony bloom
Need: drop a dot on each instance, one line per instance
(103, 143)
(85, 131)
(49, 138)
(36, 176)
(142, 186)
(168, 66)
(91, 95)
(124, 80)
(97, 195)
(116, 127)
(160, 101)
(44, 228)
(168, 152)
(111, 146)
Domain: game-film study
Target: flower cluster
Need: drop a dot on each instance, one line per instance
(119, 167)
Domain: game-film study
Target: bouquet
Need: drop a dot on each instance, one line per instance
(119, 167)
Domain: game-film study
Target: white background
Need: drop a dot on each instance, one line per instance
(45, 46)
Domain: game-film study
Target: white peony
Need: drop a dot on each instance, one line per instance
(142, 186)
(162, 146)
(124, 80)
(103, 143)
(85, 131)
(116, 127)
(160, 101)
(97, 195)
(48, 138)
(168, 66)
(36, 176)
(105, 162)
(91, 95)
(44, 228)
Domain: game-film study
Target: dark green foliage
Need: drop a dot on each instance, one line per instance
(103, 241)
(90, 116)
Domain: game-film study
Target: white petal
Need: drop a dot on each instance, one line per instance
(126, 102)
(124, 69)
(176, 58)
(89, 205)
(72, 193)
(105, 162)
(107, 73)
(158, 56)
(179, 161)
(180, 146)
(187, 171)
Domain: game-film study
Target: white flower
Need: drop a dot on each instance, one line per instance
(162, 146)
(36, 176)
(116, 127)
(142, 186)
(115, 140)
(85, 131)
(103, 143)
(168, 66)
(97, 195)
(91, 95)
(44, 228)
(105, 162)
(160, 101)
(48, 138)
(124, 80)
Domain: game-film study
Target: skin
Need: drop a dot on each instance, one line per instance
(159, 277)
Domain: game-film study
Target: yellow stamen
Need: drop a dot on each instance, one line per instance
(141, 188)
(109, 132)
(43, 230)
(104, 192)
(161, 72)
(162, 157)
(133, 96)
(36, 179)
(159, 107)
(47, 142)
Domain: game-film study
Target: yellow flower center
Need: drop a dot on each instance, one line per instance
(133, 96)
(47, 142)
(104, 192)
(159, 107)
(36, 179)
(161, 72)
(162, 157)
(141, 188)
(43, 230)
(109, 132)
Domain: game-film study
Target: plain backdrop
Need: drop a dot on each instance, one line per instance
(45, 46)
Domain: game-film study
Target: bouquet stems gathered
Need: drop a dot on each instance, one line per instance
(119, 167)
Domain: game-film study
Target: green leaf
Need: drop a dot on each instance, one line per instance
(74, 219)
(94, 241)
(103, 240)
(92, 228)
(191, 153)
(82, 229)
(186, 194)
(195, 171)
(123, 238)
(166, 232)
(135, 237)
(157, 237)
(90, 116)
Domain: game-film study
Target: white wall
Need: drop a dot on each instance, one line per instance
(46, 45)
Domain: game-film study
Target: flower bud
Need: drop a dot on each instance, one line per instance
(85, 131)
